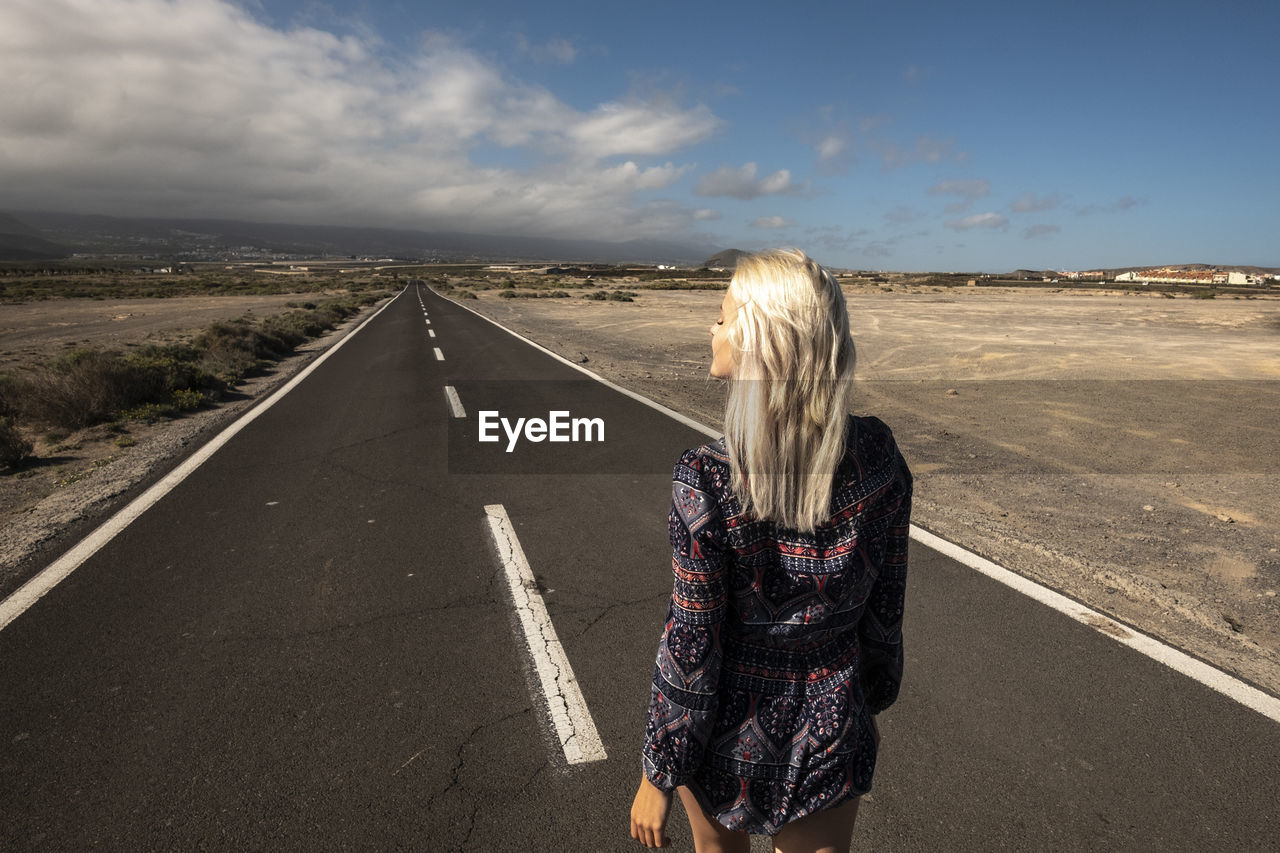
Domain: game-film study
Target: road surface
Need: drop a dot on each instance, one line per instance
(310, 644)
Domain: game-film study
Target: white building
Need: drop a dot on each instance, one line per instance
(1243, 278)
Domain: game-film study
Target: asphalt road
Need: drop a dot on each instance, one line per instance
(309, 645)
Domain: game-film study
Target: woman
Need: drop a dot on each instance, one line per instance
(783, 637)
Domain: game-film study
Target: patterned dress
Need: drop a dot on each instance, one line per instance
(780, 646)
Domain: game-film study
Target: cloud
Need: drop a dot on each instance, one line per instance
(901, 215)
(978, 220)
(705, 214)
(968, 189)
(927, 149)
(831, 147)
(1040, 231)
(639, 128)
(742, 183)
(771, 222)
(1031, 203)
(558, 51)
(835, 238)
(197, 108)
(1118, 206)
(832, 138)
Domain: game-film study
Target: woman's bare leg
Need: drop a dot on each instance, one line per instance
(826, 831)
(709, 835)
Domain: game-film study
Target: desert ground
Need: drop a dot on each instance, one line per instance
(32, 331)
(1118, 447)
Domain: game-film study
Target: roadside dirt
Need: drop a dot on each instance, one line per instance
(1120, 448)
(33, 331)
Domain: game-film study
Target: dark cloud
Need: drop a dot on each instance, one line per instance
(199, 108)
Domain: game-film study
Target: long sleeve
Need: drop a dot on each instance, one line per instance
(682, 703)
(880, 631)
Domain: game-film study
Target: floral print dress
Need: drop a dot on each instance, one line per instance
(779, 646)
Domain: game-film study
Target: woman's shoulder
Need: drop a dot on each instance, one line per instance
(872, 444)
(705, 466)
(871, 427)
(705, 456)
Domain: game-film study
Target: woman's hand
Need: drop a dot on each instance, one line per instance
(649, 815)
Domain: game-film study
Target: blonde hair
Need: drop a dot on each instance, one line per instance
(789, 392)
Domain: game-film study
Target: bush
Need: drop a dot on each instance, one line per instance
(86, 387)
(14, 449)
(231, 351)
(1204, 294)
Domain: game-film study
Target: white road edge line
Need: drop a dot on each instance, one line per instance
(1209, 676)
(57, 571)
(454, 402)
(569, 714)
(1202, 672)
(439, 354)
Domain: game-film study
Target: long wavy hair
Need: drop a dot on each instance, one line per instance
(790, 386)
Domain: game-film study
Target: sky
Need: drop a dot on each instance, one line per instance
(977, 136)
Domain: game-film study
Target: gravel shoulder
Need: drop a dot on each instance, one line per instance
(1119, 448)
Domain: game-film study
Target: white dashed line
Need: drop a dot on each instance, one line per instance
(431, 332)
(570, 717)
(454, 403)
(439, 355)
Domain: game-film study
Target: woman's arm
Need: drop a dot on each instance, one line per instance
(880, 631)
(686, 676)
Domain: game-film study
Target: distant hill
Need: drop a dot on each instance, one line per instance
(728, 259)
(20, 242)
(223, 238)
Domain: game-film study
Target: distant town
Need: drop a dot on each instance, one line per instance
(1175, 275)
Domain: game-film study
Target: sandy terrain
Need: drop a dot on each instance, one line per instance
(1118, 448)
(32, 331)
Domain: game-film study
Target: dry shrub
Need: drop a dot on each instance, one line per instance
(14, 449)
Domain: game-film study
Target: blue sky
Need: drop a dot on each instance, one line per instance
(905, 135)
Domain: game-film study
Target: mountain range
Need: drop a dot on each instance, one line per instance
(40, 235)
